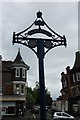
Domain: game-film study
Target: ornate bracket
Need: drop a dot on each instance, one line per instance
(53, 39)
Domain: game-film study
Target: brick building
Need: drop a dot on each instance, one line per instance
(71, 86)
(14, 86)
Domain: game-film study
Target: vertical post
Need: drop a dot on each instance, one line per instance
(40, 53)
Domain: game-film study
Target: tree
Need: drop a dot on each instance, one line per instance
(48, 98)
(36, 94)
(30, 98)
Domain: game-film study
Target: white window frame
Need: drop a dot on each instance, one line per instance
(17, 72)
(74, 80)
(17, 88)
(23, 73)
(78, 76)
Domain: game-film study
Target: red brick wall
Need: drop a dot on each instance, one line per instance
(8, 89)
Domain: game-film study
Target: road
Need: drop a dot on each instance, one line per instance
(29, 116)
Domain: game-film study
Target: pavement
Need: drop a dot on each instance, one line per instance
(77, 118)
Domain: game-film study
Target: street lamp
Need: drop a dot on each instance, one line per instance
(40, 46)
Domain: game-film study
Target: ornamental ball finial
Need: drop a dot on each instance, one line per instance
(39, 14)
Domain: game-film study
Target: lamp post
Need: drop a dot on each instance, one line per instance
(43, 45)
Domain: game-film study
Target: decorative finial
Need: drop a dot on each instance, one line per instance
(39, 14)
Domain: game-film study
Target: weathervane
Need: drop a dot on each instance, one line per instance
(43, 45)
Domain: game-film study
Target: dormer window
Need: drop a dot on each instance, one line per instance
(17, 72)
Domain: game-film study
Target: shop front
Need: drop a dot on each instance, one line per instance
(8, 108)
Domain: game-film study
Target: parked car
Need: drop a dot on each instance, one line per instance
(62, 116)
(35, 109)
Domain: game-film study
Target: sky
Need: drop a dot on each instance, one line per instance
(62, 17)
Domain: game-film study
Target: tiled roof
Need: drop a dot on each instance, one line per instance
(19, 61)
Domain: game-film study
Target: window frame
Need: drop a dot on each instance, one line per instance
(74, 79)
(22, 89)
(17, 72)
(64, 83)
(78, 76)
(16, 88)
(23, 73)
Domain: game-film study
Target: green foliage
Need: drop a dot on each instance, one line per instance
(33, 95)
(30, 98)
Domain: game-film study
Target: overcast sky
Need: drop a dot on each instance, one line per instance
(62, 17)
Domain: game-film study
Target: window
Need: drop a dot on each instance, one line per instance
(11, 110)
(75, 91)
(17, 86)
(23, 73)
(78, 76)
(65, 114)
(17, 89)
(58, 114)
(64, 83)
(1, 90)
(74, 78)
(22, 89)
(17, 72)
